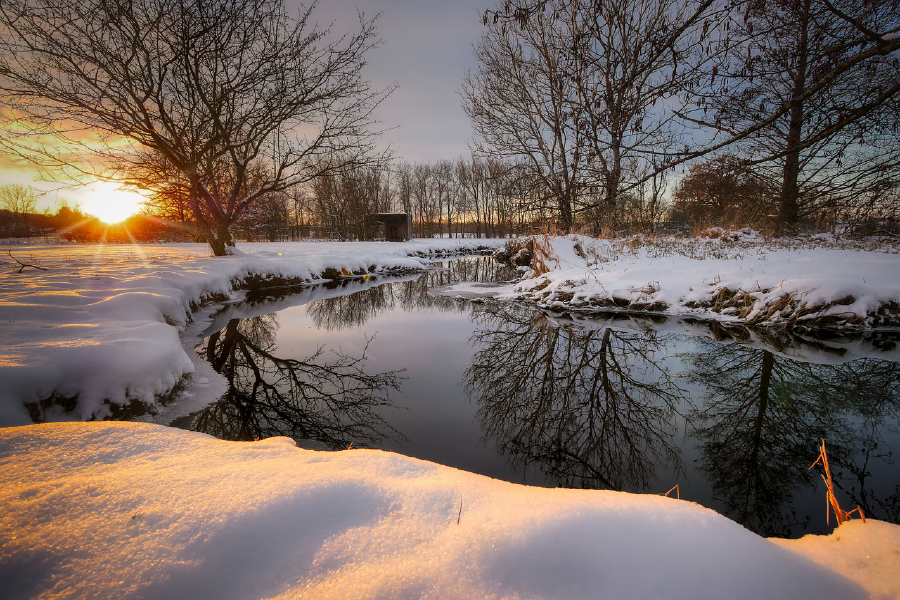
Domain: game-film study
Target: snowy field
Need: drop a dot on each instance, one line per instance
(131, 510)
(144, 511)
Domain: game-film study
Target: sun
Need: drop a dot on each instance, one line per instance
(111, 203)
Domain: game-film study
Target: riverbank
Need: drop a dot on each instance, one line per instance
(97, 330)
(96, 334)
(808, 283)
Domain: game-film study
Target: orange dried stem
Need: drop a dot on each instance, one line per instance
(831, 501)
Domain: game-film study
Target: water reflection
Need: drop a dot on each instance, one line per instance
(356, 309)
(762, 415)
(589, 408)
(326, 396)
(732, 414)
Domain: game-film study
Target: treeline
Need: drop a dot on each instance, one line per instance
(470, 196)
(477, 197)
(599, 116)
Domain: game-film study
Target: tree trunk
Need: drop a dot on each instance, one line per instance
(564, 224)
(789, 202)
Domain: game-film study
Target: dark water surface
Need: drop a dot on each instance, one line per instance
(733, 416)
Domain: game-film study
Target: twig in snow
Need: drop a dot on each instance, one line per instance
(677, 491)
(23, 265)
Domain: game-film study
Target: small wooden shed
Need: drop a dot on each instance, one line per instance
(392, 227)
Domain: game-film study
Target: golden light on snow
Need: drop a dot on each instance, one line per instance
(111, 203)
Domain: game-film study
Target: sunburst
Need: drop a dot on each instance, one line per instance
(111, 203)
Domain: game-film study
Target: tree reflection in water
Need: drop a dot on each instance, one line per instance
(589, 405)
(354, 310)
(326, 397)
(761, 420)
(591, 409)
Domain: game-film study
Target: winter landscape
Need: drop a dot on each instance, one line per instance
(149, 511)
(522, 299)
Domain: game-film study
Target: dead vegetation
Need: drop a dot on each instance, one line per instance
(22, 265)
(831, 503)
(791, 311)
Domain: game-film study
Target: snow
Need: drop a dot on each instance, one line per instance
(116, 509)
(867, 553)
(103, 322)
(113, 510)
(850, 285)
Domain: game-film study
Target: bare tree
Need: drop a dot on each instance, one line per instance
(234, 99)
(585, 89)
(836, 136)
(633, 62)
(518, 102)
(21, 202)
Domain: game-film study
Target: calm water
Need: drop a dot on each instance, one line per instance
(732, 416)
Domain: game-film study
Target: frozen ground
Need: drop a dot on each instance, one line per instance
(130, 510)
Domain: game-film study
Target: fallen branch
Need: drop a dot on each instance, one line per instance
(23, 266)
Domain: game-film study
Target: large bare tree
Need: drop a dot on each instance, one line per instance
(835, 138)
(518, 103)
(585, 90)
(229, 99)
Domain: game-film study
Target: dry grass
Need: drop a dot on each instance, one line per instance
(831, 503)
(675, 489)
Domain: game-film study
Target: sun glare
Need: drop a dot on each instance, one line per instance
(111, 203)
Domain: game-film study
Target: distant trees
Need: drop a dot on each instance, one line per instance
(724, 191)
(217, 103)
(21, 202)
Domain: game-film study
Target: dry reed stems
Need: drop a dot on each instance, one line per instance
(830, 499)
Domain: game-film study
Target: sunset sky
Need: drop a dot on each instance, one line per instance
(426, 51)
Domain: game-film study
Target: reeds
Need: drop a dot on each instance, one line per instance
(675, 489)
(831, 503)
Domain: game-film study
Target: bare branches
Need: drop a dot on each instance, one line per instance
(647, 85)
(24, 265)
(221, 102)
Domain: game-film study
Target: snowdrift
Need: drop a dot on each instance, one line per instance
(128, 510)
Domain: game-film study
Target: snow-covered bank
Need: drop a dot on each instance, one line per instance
(734, 278)
(102, 322)
(113, 510)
